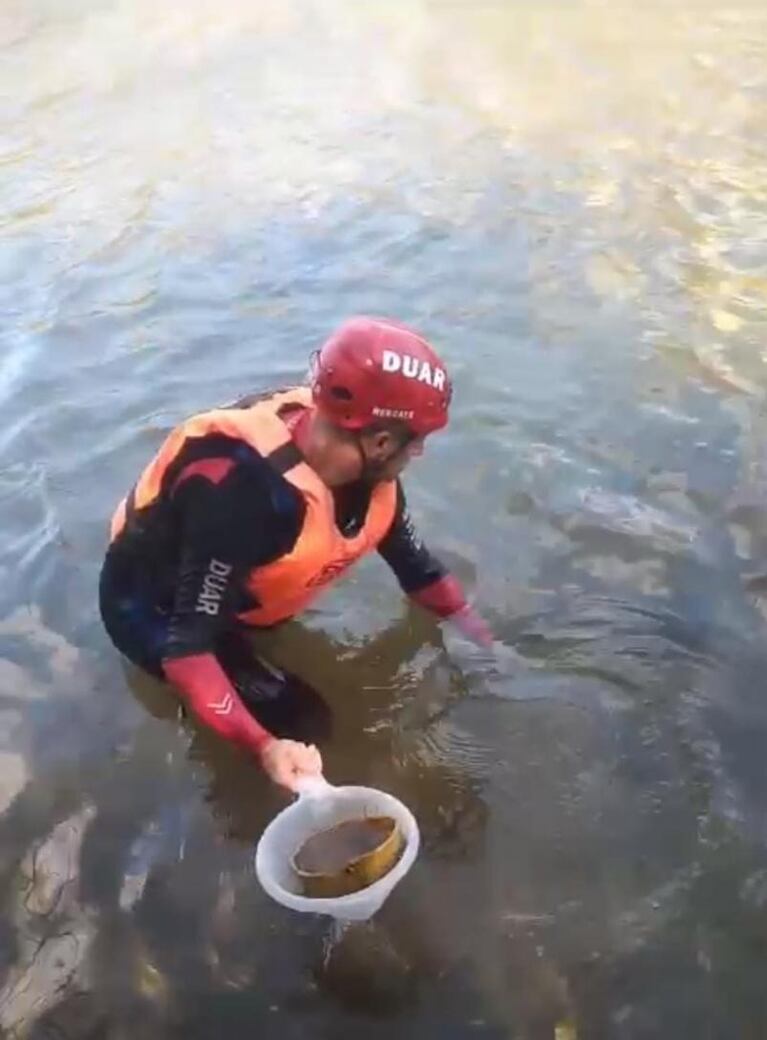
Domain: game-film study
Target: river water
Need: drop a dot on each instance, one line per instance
(571, 200)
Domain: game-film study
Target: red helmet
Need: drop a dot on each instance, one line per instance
(372, 369)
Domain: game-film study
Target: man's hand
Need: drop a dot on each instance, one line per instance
(287, 761)
(472, 625)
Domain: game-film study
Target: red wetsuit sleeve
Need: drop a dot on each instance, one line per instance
(205, 688)
(446, 599)
(443, 597)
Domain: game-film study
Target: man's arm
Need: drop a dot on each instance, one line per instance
(425, 579)
(234, 516)
(207, 691)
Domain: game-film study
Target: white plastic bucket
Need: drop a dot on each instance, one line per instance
(320, 806)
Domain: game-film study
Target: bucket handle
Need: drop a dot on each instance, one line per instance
(312, 787)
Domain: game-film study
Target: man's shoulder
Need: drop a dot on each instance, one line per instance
(232, 466)
(260, 396)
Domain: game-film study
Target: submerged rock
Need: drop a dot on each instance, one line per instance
(362, 969)
(54, 933)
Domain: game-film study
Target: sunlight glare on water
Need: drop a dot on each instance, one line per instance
(570, 199)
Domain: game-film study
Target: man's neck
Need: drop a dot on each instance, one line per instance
(311, 443)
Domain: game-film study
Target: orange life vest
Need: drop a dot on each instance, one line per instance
(288, 585)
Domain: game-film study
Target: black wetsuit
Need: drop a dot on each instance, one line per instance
(223, 510)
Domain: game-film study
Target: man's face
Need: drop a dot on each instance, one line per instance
(347, 457)
(386, 452)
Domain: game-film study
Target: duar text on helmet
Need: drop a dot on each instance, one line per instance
(413, 368)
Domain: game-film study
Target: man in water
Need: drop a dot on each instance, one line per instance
(247, 513)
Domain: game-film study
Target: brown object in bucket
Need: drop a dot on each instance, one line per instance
(348, 857)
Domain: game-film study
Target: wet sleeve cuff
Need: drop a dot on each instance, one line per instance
(446, 599)
(442, 597)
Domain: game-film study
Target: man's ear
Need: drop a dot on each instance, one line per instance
(378, 443)
(386, 442)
